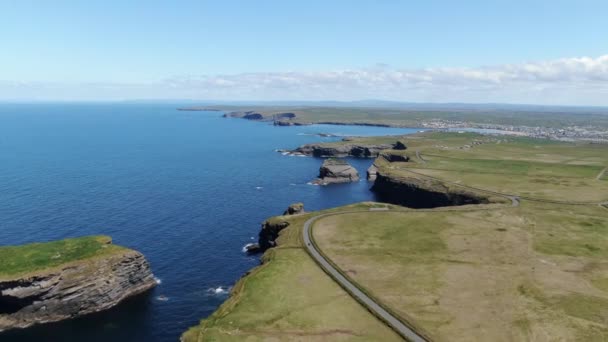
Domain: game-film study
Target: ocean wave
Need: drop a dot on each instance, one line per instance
(219, 291)
(244, 249)
(158, 281)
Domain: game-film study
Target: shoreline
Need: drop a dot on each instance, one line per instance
(566, 134)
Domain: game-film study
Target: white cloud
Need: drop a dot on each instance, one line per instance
(580, 81)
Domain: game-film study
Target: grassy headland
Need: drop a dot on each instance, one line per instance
(289, 298)
(25, 259)
(416, 116)
(499, 271)
(537, 271)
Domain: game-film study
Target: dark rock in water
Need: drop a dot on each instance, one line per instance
(295, 209)
(336, 171)
(253, 248)
(72, 290)
(417, 192)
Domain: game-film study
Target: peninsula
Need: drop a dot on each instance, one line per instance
(476, 238)
(53, 281)
(555, 123)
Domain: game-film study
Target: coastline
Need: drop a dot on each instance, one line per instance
(431, 192)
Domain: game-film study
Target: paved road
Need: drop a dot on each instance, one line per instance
(601, 174)
(395, 323)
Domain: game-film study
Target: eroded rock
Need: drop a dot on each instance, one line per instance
(336, 171)
(72, 290)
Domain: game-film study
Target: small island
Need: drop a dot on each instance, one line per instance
(336, 171)
(53, 281)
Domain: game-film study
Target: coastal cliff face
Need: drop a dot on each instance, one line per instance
(75, 289)
(416, 192)
(249, 115)
(342, 150)
(336, 171)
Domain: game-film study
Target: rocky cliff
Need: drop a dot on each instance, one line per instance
(73, 289)
(420, 192)
(344, 149)
(249, 115)
(336, 171)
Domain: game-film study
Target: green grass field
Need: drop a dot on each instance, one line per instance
(289, 298)
(414, 117)
(535, 272)
(24, 259)
(493, 272)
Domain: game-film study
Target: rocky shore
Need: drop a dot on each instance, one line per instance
(73, 289)
(270, 229)
(345, 148)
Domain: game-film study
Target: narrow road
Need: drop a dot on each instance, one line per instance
(405, 331)
(420, 157)
(601, 174)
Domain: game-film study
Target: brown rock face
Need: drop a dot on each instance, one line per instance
(417, 192)
(336, 171)
(76, 289)
(342, 150)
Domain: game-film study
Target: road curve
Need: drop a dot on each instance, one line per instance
(368, 302)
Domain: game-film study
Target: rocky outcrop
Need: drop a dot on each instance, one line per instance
(271, 228)
(75, 289)
(343, 149)
(279, 119)
(249, 115)
(392, 157)
(336, 171)
(270, 232)
(399, 145)
(294, 209)
(420, 192)
(372, 173)
(283, 116)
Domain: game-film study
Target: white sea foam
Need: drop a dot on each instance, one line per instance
(158, 281)
(218, 291)
(244, 249)
(162, 298)
(259, 187)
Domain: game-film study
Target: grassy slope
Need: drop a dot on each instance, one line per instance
(25, 259)
(508, 273)
(413, 117)
(534, 272)
(289, 298)
(520, 166)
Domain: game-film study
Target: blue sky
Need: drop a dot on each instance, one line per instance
(200, 49)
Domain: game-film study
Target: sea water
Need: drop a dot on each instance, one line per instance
(187, 189)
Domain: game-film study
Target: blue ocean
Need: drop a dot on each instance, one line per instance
(187, 189)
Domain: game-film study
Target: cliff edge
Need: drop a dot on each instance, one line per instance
(53, 281)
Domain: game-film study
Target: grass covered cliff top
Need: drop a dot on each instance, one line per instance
(30, 258)
(534, 271)
(413, 117)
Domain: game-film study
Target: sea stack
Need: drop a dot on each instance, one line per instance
(336, 171)
(73, 277)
